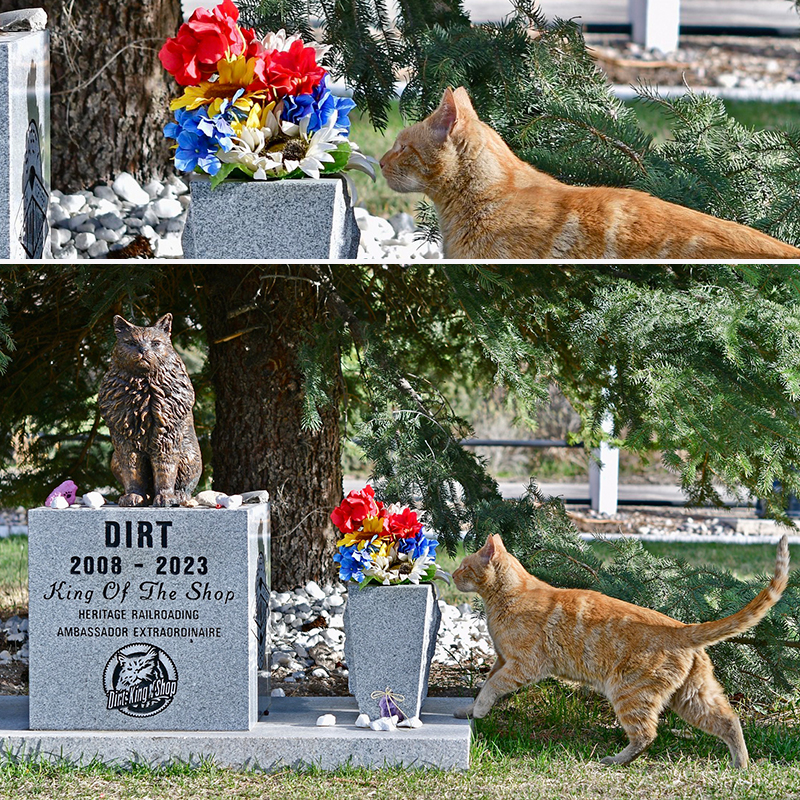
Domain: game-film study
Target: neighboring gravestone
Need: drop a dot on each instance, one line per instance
(271, 220)
(24, 135)
(147, 618)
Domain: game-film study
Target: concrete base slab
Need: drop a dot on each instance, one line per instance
(287, 737)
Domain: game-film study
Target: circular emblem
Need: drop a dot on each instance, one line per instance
(140, 680)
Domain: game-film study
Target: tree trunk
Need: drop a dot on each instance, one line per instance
(254, 327)
(110, 94)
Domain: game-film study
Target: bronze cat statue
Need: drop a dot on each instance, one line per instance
(146, 399)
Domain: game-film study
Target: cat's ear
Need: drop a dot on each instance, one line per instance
(165, 323)
(488, 550)
(122, 658)
(463, 103)
(122, 326)
(445, 117)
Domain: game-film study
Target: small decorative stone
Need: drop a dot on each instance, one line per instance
(59, 236)
(363, 721)
(260, 496)
(110, 220)
(229, 501)
(154, 188)
(105, 193)
(313, 590)
(67, 489)
(411, 722)
(278, 693)
(84, 240)
(326, 721)
(383, 724)
(128, 188)
(59, 502)
(93, 499)
(25, 19)
(167, 208)
(209, 498)
(57, 214)
(98, 249)
(107, 235)
(73, 203)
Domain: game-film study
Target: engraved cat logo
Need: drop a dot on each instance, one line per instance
(140, 680)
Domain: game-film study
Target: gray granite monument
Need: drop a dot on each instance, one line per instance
(24, 135)
(390, 638)
(148, 618)
(271, 220)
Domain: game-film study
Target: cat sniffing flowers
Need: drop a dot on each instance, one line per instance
(641, 660)
(493, 205)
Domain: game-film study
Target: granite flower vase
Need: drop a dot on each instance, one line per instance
(270, 220)
(390, 638)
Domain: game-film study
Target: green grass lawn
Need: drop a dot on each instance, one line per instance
(379, 199)
(13, 575)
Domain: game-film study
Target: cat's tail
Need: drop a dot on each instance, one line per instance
(706, 633)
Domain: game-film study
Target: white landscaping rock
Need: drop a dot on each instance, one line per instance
(326, 721)
(411, 722)
(93, 499)
(313, 590)
(229, 501)
(98, 249)
(128, 188)
(363, 721)
(167, 208)
(83, 241)
(73, 203)
(383, 724)
(59, 236)
(278, 693)
(59, 502)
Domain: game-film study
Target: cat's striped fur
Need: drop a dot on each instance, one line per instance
(641, 660)
(492, 205)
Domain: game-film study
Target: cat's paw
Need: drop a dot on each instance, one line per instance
(463, 713)
(165, 499)
(132, 499)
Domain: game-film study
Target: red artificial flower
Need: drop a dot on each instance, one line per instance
(208, 36)
(404, 525)
(355, 508)
(294, 71)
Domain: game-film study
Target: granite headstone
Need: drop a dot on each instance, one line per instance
(271, 220)
(147, 618)
(24, 138)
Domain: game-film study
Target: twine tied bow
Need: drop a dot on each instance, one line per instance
(387, 702)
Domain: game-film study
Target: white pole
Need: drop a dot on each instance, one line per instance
(604, 474)
(655, 23)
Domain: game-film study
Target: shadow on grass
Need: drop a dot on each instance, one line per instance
(552, 718)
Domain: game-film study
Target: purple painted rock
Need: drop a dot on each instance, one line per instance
(68, 490)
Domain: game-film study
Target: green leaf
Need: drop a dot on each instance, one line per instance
(341, 155)
(226, 170)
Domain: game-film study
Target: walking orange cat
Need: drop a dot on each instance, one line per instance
(641, 660)
(492, 205)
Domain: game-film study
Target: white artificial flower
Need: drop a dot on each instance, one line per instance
(249, 150)
(361, 162)
(280, 41)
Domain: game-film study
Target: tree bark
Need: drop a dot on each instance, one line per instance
(109, 93)
(254, 327)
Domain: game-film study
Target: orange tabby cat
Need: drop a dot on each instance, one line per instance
(641, 660)
(493, 205)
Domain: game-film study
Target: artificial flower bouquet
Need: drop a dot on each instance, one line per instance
(382, 544)
(254, 108)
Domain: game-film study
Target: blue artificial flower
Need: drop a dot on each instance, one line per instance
(320, 106)
(196, 150)
(418, 546)
(352, 562)
(199, 139)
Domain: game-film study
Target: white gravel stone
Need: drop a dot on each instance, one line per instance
(154, 189)
(326, 721)
(167, 208)
(98, 249)
(105, 192)
(128, 188)
(177, 184)
(73, 203)
(59, 236)
(57, 214)
(411, 722)
(107, 235)
(85, 240)
(363, 721)
(278, 693)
